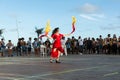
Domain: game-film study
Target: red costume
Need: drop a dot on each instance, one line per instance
(56, 45)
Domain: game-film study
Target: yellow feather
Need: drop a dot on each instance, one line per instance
(48, 28)
(73, 19)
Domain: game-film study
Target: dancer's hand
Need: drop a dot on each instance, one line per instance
(49, 37)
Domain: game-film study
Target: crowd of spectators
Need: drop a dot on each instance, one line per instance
(108, 45)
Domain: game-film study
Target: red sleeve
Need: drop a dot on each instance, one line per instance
(61, 35)
(53, 36)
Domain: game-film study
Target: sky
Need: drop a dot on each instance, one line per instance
(94, 17)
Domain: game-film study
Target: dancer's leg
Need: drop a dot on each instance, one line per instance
(52, 52)
(58, 58)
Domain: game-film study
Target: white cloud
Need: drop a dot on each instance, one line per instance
(90, 12)
(88, 17)
(92, 16)
(110, 27)
(88, 8)
(98, 15)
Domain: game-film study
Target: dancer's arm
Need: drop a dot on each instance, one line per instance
(49, 37)
(66, 34)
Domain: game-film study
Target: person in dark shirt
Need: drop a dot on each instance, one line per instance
(19, 47)
(89, 45)
(48, 44)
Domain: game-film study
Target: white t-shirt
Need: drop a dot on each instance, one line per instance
(80, 41)
(63, 42)
(29, 43)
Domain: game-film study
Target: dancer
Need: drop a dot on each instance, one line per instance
(56, 36)
(57, 46)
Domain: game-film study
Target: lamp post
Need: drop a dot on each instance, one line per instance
(17, 27)
(16, 21)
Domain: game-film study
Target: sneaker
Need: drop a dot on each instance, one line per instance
(61, 54)
(80, 53)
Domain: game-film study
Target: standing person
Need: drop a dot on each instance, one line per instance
(1, 54)
(68, 45)
(63, 41)
(57, 46)
(23, 45)
(29, 44)
(48, 48)
(100, 44)
(76, 46)
(19, 49)
(35, 46)
(89, 45)
(119, 45)
(93, 45)
(114, 44)
(3, 47)
(105, 46)
(39, 43)
(97, 46)
(9, 45)
(85, 45)
(80, 43)
(73, 45)
(108, 44)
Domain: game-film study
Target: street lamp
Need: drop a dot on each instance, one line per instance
(17, 27)
(16, 19)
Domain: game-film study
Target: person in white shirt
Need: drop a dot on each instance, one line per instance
(63, 41)
(29, 46)
(10, 47)
(35, 46)
(80, 41)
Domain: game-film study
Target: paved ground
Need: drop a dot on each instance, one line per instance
(73, 67)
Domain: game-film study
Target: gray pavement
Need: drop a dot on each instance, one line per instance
(73, 67)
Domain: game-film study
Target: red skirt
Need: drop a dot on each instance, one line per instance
(54, 54)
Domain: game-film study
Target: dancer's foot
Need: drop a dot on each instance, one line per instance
(57, 61)
(51, 61)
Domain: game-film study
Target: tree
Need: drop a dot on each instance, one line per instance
(39, 31)
(1, 32)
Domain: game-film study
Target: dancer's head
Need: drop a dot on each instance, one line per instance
(56, 30)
